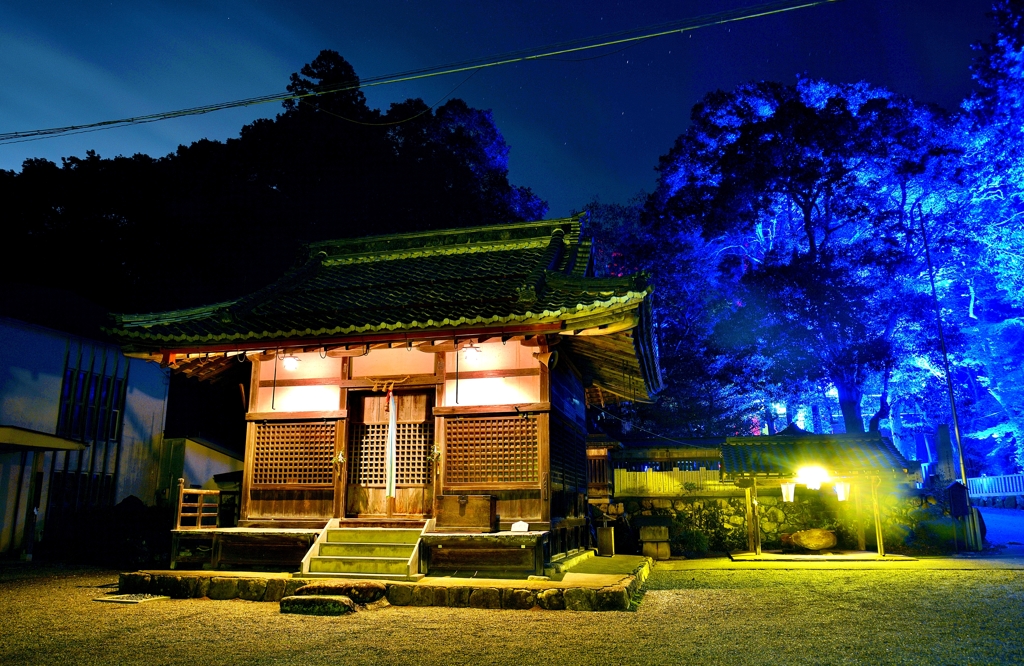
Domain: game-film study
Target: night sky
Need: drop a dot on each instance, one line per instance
(577, 129)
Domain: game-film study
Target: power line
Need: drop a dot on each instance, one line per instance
(621, 38)
(403, 120)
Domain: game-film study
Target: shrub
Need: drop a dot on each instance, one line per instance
(683, 541)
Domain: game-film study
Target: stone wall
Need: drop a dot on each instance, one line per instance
(912, 522)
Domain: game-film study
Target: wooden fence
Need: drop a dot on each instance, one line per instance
(662, 484)
(996, 486)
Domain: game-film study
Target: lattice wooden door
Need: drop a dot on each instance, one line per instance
(413, 447)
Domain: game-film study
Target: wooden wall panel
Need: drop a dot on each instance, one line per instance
(363, 501)
(305, 504)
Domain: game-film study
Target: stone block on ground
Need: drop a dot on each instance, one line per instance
(400, 594)
(334, 604)
(133, 583)
(657, 550)
(252, 589)
(223, 587)
(167, 584)
(612, 598)
(458, 597)
(422, 595)
(518, 599)
(551, 599)
(485, 597)
(654, 533)
(194, 587)
(814, 539)
(275, 589)
(292, 585)
(579, 598)
(359, 591)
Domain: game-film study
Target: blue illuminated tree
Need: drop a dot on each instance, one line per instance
(810, 199)
(994, 271)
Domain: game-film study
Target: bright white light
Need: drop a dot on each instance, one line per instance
(842, 490)
(812, 476)
(788, 490)
(290, 363)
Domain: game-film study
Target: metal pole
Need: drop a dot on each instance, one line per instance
(875, 482)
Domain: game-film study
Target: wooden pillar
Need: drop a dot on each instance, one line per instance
(341, 446)
(757, 518)
(750, 520)
(440, 365)
(544, 437)
(250, 441)
(875, 482)
(858, 516)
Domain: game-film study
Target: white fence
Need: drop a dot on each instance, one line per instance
(667, 484)
(996, 486)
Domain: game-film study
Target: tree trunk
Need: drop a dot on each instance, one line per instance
(816, 418)
(769, 417)
(849, 404)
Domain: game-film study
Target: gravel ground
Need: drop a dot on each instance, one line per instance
(835, 616)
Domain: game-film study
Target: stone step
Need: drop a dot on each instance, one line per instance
(373, 535)
(365, 576)
(360, 565)
(365, 549)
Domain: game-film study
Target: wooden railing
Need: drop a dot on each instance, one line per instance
(197, 509)
(996, 486)
(668, 484)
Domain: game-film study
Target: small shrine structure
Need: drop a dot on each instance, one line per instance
(425, 389)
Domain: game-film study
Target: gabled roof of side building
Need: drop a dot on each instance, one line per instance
(503, 280)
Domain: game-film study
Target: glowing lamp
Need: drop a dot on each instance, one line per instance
(788, 490)
(842, 490)
(812, 476)
(290, 363)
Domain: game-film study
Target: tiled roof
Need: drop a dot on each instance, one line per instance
(502, 277)
(783, 455)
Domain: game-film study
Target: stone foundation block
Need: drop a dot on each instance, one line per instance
(518, 599)
(275, 589)
(485, 597)
(458, 597)
(422, 596)
(400, 594)
(292, 585)
(252, 589)
(579, 598)
(133, 583)
(223, 587)
(613, 598)
(551, 599)
(334, 604)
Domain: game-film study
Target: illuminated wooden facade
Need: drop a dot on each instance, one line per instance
(488, 338)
